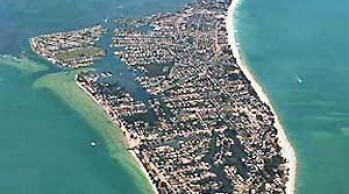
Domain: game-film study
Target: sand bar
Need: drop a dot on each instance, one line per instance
(132, 152)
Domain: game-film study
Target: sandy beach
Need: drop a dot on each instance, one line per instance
(287, 149)
(144, 171)
(132, 152)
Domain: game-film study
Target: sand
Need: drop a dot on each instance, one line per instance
(155, 190)
(287, 149)
(132, 152)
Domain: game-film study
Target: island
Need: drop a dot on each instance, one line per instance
(206, 125)
(70, 49)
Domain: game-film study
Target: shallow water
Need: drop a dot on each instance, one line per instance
(45, 146)
(299, 52)
(44, 143)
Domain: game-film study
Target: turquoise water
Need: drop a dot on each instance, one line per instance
(284, 40)
(22, 19)
(44, 143)
(45, 147)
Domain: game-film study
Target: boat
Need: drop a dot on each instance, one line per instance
(299, 80)
(93, 143)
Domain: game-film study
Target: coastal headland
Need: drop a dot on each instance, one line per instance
(206, 127)
(70, 49)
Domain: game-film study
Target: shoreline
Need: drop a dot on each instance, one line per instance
(112, 135)
(131, 151)
(287, 149)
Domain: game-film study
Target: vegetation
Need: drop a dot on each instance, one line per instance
(88, 52)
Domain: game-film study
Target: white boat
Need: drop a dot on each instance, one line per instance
(299, 80)
(93, 144)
